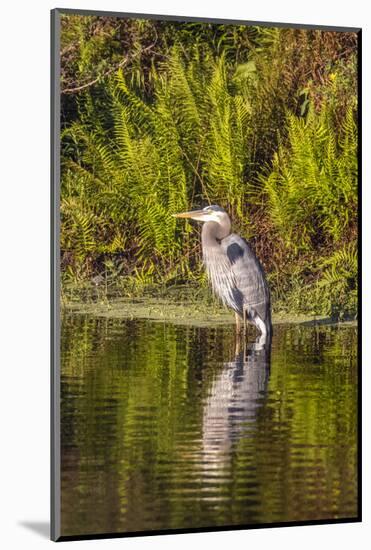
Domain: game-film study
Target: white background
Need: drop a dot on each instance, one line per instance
(24, 269)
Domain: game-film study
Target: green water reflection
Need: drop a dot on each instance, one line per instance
(171, 427)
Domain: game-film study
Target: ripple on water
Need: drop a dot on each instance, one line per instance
(170, 427)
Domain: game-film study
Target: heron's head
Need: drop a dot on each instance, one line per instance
(211, 213)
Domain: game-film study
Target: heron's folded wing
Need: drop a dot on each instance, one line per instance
(247, 270)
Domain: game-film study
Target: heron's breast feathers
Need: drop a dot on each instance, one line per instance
(222, 279)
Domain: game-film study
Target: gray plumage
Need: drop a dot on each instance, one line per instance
(237, 277)
(235, 273)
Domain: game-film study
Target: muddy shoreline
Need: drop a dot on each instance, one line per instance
(181, 312)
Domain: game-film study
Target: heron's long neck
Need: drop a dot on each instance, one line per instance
(213, 232)
(215, 261)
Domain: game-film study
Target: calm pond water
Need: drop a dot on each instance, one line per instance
(176, 427)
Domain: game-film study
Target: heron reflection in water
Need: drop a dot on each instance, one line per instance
(235, 273)
(232, 404)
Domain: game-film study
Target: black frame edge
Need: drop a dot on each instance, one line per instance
(226, 528)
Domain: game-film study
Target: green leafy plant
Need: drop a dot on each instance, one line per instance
(259, 120)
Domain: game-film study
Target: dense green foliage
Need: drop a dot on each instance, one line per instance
(162, 117)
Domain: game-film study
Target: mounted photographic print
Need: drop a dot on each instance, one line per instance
(205, 358)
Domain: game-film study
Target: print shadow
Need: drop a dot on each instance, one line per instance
(42, 528)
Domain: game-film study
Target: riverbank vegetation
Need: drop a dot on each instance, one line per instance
(160, 117)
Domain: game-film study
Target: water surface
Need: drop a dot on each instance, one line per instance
(175, 427)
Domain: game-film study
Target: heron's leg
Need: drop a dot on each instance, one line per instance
(244, 350)
(244, 322)
(238, 323)
(238, 333)
(237, 348)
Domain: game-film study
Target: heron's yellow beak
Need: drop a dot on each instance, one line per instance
(192, 214)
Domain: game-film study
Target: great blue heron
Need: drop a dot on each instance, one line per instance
(234, 271)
